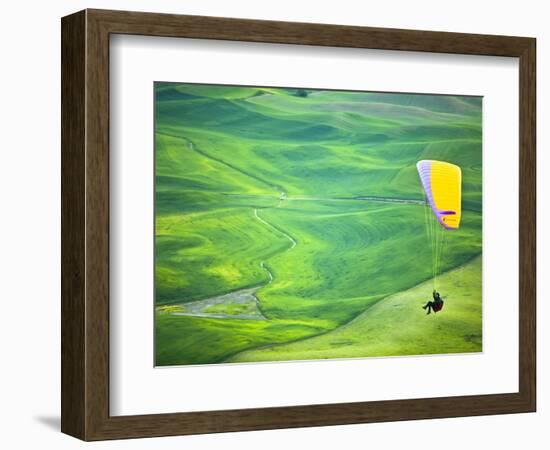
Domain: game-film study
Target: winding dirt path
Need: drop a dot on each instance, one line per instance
(278, 230)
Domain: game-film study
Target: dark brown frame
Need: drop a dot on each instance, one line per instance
(85, 224)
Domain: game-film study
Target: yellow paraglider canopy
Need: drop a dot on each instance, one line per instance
(442, 183)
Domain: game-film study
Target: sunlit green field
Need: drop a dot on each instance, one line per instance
(289, 223)
(394, 326)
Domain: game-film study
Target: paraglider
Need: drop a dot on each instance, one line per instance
(442, 187)
(436, 305)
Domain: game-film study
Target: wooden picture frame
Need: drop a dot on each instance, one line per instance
(85, 224)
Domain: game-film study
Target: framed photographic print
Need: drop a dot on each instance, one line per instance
(271, 224)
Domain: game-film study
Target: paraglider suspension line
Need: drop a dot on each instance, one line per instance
(437, 238)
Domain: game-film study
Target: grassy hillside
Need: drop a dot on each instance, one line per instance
(397, 325)
(264, 189)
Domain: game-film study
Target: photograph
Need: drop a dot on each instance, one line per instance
(298, 224)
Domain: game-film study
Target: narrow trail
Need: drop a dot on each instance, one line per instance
(191, 145)
(306, 198)
(269, 274)
(278, 230)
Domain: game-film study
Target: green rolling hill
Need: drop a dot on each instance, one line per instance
(265, 189)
